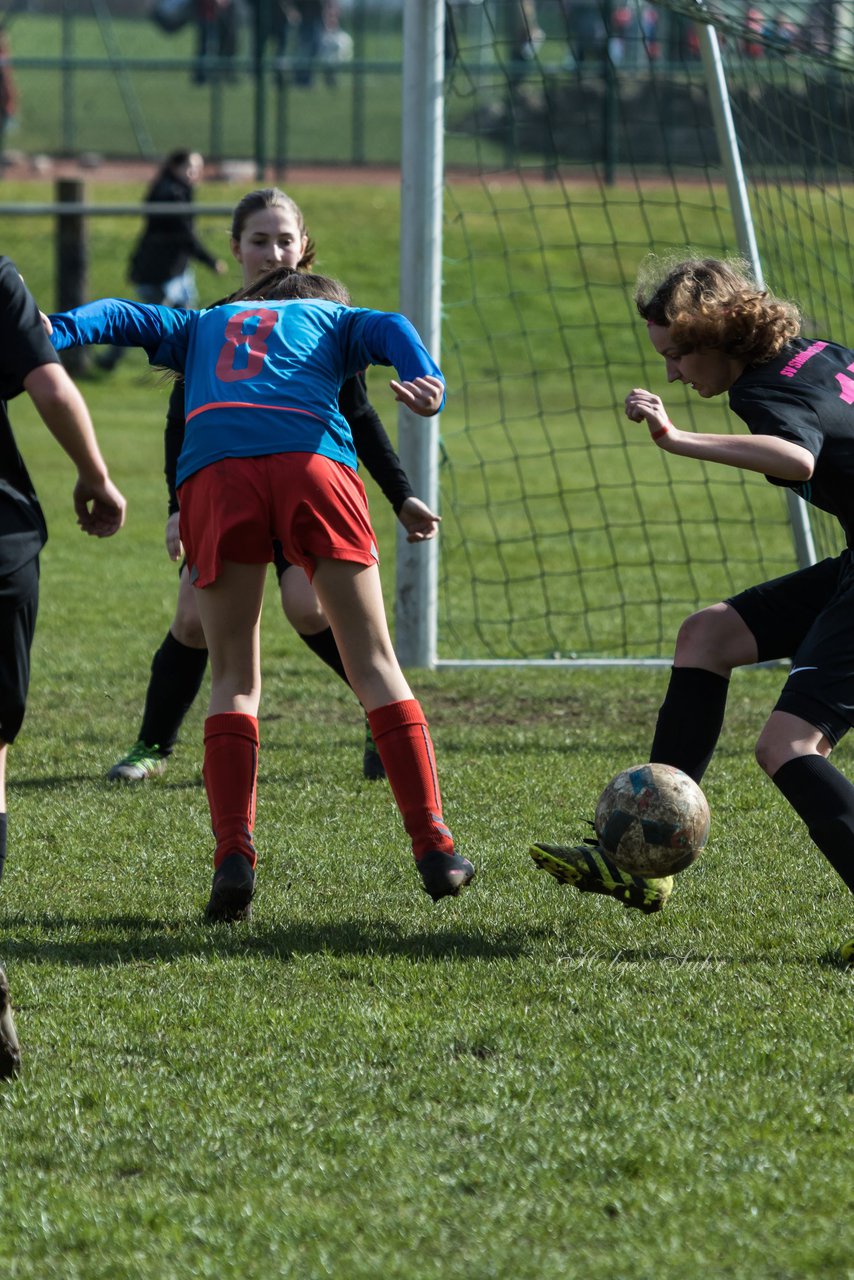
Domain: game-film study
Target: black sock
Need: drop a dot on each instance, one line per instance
(177, 672)
(824, 799)
(690, 720)
(2, 843)
(324, 644)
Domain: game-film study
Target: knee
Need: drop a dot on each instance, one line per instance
(301, 605)
(695, 635)
(187, 626)
(774, 749)
(306, 622)
(716, 639)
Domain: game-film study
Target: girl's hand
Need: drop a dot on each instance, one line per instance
(174, 549)
(643, 406)
(423, 395)
(421, 524)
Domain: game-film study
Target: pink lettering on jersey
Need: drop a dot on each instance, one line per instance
(789, 370)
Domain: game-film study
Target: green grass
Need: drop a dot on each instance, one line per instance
(519, 1083)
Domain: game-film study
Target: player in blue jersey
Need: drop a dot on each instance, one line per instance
(268, 230)
(718, 333)
(266, 448)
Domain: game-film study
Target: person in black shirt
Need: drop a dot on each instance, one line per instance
(718, 332)
(160, 267)
(29, 363)
(268, 230)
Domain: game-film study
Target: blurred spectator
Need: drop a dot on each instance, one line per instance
(8, 92)
(625, 44)
(586, 34)
(311, 23)
(649, 32)
(780, 33)
(336, 44)
(217, 23)
(529, 35)
(524, 36)
(160, 264)
(755, 23)
(272, 21)
(692, 42)
(819, 29)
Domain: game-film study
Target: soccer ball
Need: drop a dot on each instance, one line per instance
(652, 819)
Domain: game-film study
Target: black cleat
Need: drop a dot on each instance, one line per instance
(444, 874)
(232, 890)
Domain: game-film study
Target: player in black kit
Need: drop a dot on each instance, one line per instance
(29, 363)
(718, 332)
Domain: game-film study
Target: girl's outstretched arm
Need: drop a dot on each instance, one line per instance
(120, 322)
(769, 455)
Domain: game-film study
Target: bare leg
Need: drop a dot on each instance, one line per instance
(230, 612)
(305, 614)
(351, 597)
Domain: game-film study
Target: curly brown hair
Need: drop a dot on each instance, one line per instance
(706, 302)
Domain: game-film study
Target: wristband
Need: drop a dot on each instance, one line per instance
(662, 431)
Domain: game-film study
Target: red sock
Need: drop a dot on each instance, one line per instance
(230, 773)
(403, 741)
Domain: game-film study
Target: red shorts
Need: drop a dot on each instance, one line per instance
(234, 508)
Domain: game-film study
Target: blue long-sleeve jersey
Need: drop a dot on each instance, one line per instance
(261, 377)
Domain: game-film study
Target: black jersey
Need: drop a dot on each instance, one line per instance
(24, 346)
(169, 240)
(806, 395)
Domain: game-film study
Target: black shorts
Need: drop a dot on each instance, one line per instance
(808, 616)
(19, 605)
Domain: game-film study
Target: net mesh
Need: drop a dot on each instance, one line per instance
(566, 534)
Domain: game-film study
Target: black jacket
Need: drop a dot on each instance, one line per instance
(168, 241)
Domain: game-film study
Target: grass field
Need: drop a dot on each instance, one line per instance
(521, 1084)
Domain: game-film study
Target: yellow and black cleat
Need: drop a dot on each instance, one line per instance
(587, 868)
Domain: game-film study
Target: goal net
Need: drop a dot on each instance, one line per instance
(580, 137)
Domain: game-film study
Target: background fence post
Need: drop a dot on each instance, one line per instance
(72, 262)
